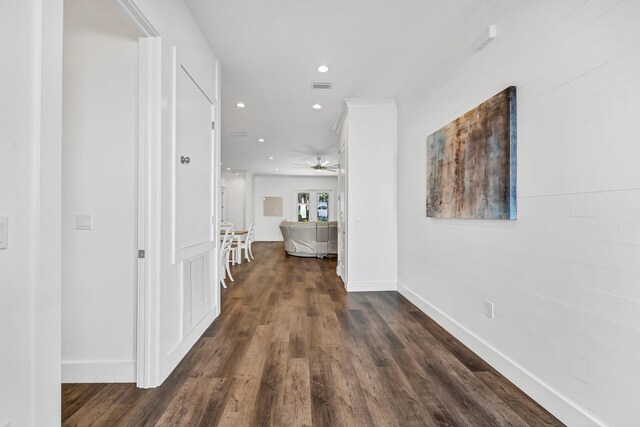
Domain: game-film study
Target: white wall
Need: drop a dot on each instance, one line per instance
(235, 200)
(249, 204)
(565, 275)
(18, 135)
(30, 82)
(371, 142)
(100, 112)
(285, 186)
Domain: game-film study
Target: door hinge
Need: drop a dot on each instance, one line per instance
(141, 253)
(213, 125)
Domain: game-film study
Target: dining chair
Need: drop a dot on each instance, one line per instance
(250, 239)
(225, 248)
(246, 243)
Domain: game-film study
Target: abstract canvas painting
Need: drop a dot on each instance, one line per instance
(471, 163)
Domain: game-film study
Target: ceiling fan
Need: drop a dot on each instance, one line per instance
(320, 166)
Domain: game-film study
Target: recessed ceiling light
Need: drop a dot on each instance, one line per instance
(240, 105)
(277, 169)
(323, 69)
(316, 107)
(236, 173)
(228, 169)
(260, 139)
(270, 157)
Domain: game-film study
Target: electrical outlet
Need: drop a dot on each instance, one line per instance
(488, 309)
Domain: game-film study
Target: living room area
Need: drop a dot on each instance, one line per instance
(272, 202)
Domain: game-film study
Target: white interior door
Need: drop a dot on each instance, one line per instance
(194, 151)
(193, 201)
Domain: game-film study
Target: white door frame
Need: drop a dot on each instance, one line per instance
(343, 207)
(149, 196)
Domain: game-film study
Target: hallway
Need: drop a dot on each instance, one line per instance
(292, 348)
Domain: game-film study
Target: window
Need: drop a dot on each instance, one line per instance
(313, 205)
(323, 207)
(303, 207)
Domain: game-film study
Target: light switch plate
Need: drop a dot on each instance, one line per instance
(489, 309)
(4, 232)
(84, 222)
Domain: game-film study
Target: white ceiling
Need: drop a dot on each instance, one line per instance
(269, 52)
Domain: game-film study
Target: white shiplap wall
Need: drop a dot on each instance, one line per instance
(564, 277)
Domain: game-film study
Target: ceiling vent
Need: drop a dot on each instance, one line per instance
(239, 134)
(321, 85)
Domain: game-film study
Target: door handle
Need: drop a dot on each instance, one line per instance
(184, 160)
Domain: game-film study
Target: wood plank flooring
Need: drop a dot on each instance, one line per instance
(292, 348)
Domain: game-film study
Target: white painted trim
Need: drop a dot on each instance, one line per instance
(215, 253)
(367, 286)
(142, 24)
(98, 371)
(149, 210)
(559, 405)
(343, 220)
(45, 288)
(174, 139)
(337, 126)
(370, 103)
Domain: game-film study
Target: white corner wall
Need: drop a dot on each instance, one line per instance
(100, 145)
(30, 84)
(285, 186)
(565, 276)
(371, 141)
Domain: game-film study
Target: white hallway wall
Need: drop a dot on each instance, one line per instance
(100, 131)
(30, 84)
(285, 186)
(565, 276)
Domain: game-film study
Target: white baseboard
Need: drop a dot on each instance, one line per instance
(371, 286)
(98, 371)
(560, 406)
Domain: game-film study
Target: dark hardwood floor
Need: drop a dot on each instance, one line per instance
(292, 348)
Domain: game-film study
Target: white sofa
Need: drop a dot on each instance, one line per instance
(310, 239)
